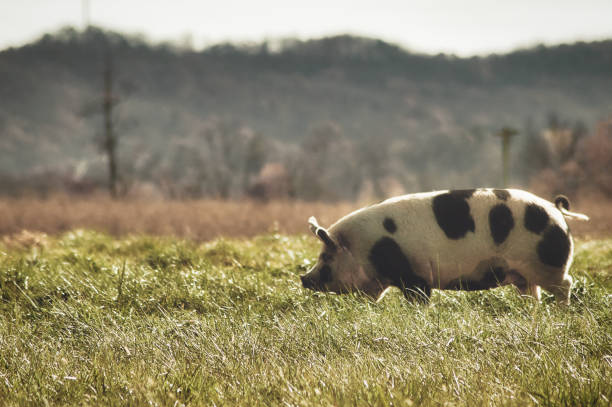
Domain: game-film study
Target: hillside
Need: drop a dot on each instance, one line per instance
(207, 122)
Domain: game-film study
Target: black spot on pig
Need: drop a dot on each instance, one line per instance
(453, 213)
(325, 275)
(501, 223)
(554, 248)
(327, 257)
(502, 194)
(536, 218)
(490, 279)
(561, 200)
(518, 280)
(493, 278)
(389, 225)
(392, 264)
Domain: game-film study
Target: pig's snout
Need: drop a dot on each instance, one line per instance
(308, 282)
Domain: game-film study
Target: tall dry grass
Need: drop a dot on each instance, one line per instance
(599, 210)
(193, 219)
(207, 219)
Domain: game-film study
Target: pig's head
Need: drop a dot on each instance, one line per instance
(336, 269)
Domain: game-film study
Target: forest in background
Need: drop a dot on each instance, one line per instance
(337, 118)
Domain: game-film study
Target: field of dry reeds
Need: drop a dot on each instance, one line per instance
(202, 220)
(192, 219)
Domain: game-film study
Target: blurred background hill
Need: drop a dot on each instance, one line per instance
(336, 118)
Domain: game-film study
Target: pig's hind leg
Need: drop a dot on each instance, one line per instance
(525, 287)
(555, 252)
(552, 279)
(560, 289)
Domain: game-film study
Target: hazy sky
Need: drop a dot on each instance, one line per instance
(464, 27)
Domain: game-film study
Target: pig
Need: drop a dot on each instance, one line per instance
(473, 239)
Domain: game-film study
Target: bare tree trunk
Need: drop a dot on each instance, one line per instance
(506, 135)
(110, 139)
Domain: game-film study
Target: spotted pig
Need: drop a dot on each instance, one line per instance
(452, 240)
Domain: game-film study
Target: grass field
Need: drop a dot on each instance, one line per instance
(89, 319)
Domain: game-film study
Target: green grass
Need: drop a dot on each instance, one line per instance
(92, 320)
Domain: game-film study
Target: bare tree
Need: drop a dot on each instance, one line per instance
(506, 135)
(325, 167)
(597, 157)
(234, 154)
(374, 159)
(110, 137)
(108, 140)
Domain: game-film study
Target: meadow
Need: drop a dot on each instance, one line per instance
(90, 319)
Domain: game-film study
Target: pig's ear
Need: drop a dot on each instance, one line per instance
(314, 225)
(321, 233)
(326, 238)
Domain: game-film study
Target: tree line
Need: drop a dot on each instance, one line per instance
(335, 118)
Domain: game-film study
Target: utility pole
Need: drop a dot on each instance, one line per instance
(110, 138)
(506, 135)
(85, 13)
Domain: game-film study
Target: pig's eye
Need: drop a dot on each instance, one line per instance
(325, 274)
(326, 257)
